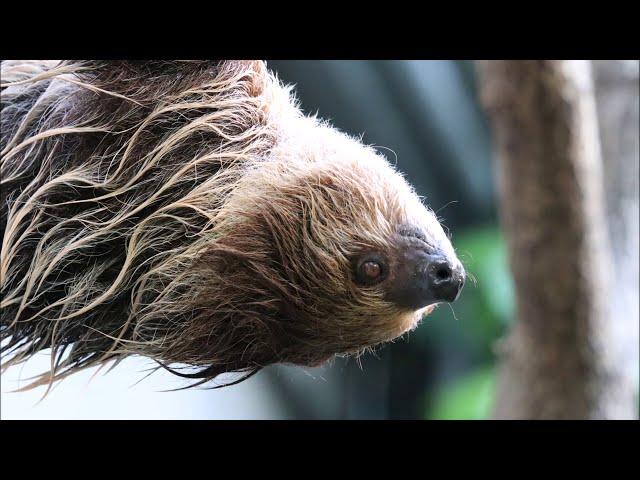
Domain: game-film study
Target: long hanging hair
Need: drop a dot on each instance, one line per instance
(102, 207)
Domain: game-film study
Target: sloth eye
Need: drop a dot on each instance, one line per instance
(370, 271)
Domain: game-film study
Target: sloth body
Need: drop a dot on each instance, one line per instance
(190, 213)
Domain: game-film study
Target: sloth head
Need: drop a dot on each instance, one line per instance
(330, 249)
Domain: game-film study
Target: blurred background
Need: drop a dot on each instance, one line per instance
(427, 118)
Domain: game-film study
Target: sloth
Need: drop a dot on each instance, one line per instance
(190, 213)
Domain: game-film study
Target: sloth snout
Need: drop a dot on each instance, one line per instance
(424, 277)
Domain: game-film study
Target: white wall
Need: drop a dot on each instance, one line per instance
(114, 396)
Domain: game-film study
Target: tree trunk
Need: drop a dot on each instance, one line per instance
(560, 360)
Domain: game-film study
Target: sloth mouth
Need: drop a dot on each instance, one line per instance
(411, 320)
(428, 310)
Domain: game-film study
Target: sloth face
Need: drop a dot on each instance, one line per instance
(413, 270)
(357, 257)
(413, 273)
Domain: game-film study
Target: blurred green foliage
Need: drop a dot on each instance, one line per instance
(483, 312)
(468, 398)
(489, 293)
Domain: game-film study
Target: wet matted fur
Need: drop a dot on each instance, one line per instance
(187, 211)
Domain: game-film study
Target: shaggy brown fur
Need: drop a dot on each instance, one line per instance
(188, 212)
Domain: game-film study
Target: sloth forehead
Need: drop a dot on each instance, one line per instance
(310, 156)
(315, 151)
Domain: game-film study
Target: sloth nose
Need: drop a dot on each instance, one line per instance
(445, 279)
(422, 278)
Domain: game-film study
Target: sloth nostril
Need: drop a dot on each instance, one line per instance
(446, 280)
(443, 272)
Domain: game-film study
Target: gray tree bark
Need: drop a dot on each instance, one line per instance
(561, 359)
